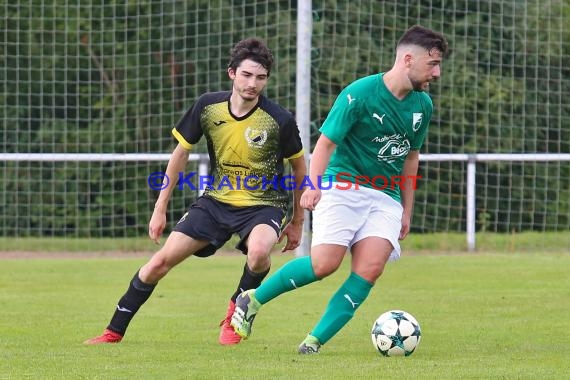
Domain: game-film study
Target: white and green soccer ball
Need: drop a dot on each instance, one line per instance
(396, 333)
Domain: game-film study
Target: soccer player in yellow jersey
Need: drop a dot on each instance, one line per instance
(248, 138)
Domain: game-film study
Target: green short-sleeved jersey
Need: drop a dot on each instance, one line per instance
(374, 132)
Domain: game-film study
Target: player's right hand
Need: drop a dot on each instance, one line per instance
(310, 198)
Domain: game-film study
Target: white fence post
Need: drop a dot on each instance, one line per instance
(303, 98)
(471, 214)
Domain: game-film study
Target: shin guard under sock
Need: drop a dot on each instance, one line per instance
(249, 280)
(341, 307)
(295, 274)
(136, 295)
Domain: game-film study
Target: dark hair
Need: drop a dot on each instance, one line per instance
(426, 38)
(254, 49)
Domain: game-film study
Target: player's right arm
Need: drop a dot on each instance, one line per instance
(319, 162)
(176, 164)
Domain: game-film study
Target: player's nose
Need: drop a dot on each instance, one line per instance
(436, 72)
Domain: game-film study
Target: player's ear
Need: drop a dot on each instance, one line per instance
(408, 59)
(231, 73)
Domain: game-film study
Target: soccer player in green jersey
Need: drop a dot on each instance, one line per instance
(369, 146)
(248, 138)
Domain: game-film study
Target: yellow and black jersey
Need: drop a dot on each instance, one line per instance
(246, 153)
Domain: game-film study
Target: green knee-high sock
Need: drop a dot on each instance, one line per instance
(294, 274)
(341, 307)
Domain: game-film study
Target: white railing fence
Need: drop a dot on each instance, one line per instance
(203, 166)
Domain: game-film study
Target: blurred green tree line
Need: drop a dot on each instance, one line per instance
(114, 77)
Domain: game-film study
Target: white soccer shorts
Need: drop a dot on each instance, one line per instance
(344, 217)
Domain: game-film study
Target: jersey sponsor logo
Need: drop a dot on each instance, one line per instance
(392, 147)
(255, 138)
(417, 121)
(395, 136)
(350, 98)
(235, 164)
(378, 117)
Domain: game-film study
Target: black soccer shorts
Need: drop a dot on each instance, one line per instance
(216, 222)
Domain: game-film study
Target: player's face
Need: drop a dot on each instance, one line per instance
(249, 79)
(424, 68)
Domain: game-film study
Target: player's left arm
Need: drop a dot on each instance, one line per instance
(409, 172)
(294, 229)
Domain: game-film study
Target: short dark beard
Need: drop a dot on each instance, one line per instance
(416, 85)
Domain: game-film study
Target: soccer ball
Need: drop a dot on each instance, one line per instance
(396, 333)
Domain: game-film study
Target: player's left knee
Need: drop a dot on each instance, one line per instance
(258, 259)
(258, 251)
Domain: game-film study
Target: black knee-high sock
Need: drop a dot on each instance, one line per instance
(249, 280)
(136, 295)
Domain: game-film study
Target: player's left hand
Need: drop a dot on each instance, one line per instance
(293, 231)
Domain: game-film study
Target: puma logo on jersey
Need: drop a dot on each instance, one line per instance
(350, 98)
(379, 118)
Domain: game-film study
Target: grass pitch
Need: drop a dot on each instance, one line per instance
(483, 316)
